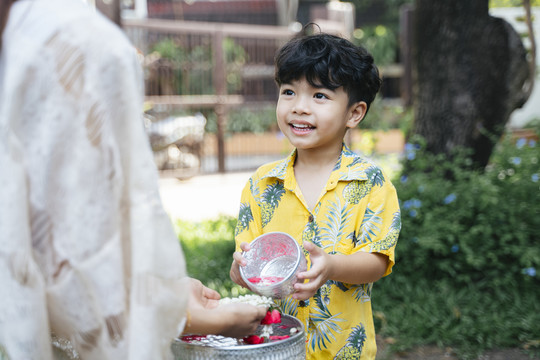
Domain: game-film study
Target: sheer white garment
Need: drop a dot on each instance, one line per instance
(86, 249)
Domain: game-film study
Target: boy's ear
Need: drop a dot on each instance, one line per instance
(356, 115)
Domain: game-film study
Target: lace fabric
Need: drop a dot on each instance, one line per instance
(86, 249)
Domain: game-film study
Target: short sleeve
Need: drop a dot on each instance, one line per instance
(381, 224)
(248, 225)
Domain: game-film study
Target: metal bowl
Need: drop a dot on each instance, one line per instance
(273, 262)
(220, 347)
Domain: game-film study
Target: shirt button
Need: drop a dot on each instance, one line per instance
(302, 303)
(310, 219)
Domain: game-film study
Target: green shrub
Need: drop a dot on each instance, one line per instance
(192, 67)
(384, 115)
(380, 40)
(208, 247)
(245, 119)
(467, 258)
(467, 319)
(262, 118)
(472, 226)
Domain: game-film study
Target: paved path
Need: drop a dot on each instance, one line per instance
(204, 196)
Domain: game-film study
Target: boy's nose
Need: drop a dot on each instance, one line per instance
(300, 106)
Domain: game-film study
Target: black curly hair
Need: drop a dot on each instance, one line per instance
(329, 61)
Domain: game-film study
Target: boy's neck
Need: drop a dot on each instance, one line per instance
(312, 170)
(317, 158)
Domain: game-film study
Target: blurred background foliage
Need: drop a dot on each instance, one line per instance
(208, 247)
(467, 257)
(380, 38)
(511, 3)
(190, 68)
(381, 116)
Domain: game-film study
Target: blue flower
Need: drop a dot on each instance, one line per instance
(534, 177)
(449, 199)
(403, 179)
(410, 150)
(521, 143)
(411, 203)
(413, 213)
(515, 160)
(532, 143)
(409, 147)
(455, 248)
(529, 271)
(421, 189)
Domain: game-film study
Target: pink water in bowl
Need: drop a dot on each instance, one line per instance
(265, 280)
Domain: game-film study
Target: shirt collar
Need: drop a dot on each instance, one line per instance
(349, 166)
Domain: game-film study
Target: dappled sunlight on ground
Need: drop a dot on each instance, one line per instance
(203, 197)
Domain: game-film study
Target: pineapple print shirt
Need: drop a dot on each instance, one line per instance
(357, 211)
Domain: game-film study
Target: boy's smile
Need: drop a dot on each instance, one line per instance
(315, 118)
(301, 127)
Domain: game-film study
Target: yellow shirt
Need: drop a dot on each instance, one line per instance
(358, 211)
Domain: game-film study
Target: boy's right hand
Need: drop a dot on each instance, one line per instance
(237, 262)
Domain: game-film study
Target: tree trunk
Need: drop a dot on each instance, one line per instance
(470, 71)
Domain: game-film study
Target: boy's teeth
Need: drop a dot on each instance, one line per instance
(301, 125)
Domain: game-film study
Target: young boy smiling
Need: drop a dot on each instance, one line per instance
(340, 207)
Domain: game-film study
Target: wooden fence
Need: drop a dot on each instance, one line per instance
(198, 66)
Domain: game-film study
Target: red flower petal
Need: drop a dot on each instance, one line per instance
(253, 339)
(279, 337)
(272, 317)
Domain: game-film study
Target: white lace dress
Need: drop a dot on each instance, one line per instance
(86, 250)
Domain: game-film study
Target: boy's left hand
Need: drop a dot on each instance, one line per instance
(317, 275)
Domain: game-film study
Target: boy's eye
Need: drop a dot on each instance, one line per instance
(287, 92)
(320, 96)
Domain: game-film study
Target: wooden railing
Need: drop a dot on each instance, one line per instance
(144, 33)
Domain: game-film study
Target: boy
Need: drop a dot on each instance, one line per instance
(341, 208)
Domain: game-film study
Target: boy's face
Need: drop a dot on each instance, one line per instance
(316, 118)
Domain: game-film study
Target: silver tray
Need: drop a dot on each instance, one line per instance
(219, 347)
